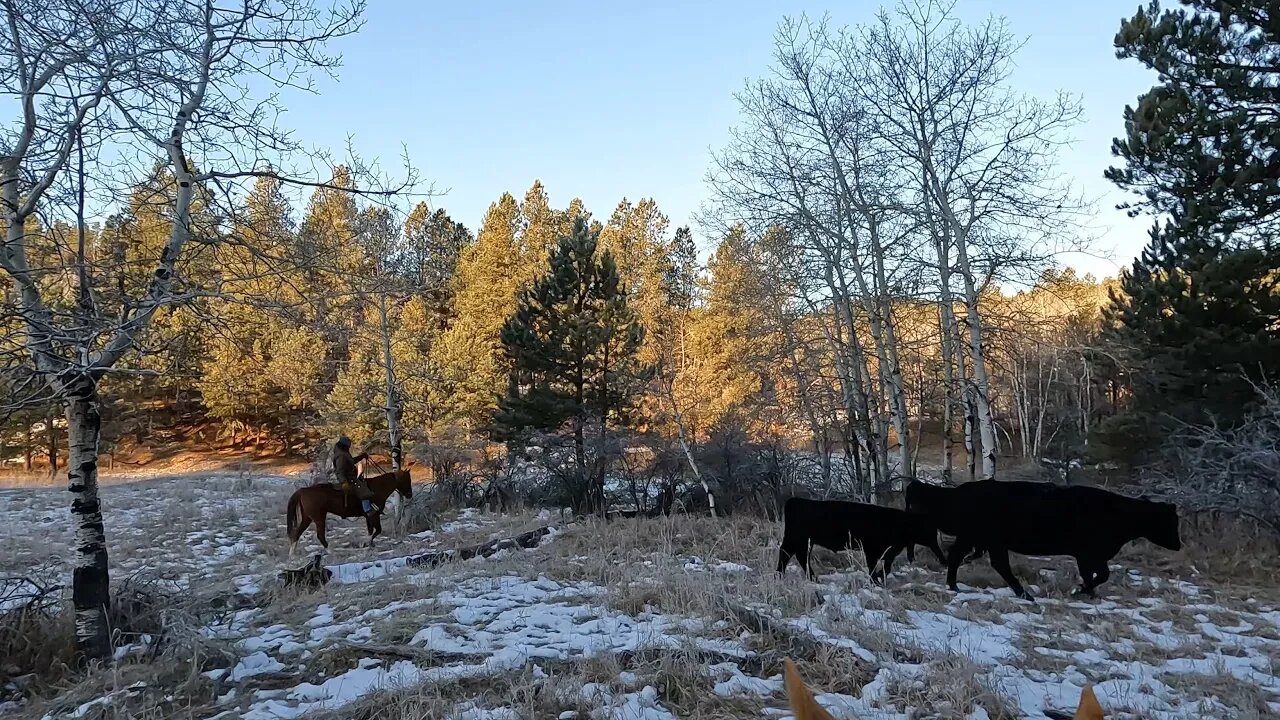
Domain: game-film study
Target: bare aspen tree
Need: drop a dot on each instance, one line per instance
(58, 69)
(163, 82)
(378, 240)
(808, 160)
(987, 157)
(392, 397)
(877, 146)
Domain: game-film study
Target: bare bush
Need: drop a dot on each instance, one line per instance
(1234, 470)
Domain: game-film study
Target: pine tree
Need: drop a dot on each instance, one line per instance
(572, 344)
(236, 385)
(486, 285)
(636, 236)
(1194, 325)
(159, 369)
(680, 274)
(726, 338)
(1194, 321)
(1201, 143)
(433, 243)
(542, 226)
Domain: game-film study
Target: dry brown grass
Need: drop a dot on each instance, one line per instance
(1222, 551)
(641, 564)
(37, 647)
(151, 689)
(1246, 700)
(952, 685)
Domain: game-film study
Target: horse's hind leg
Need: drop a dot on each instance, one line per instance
(374, 526)
(324, 542)
(301, 529)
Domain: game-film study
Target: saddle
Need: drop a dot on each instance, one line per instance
(347, 490)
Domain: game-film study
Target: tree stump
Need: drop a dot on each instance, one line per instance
(312, 575)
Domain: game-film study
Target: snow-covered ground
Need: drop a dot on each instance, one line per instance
(636, 619)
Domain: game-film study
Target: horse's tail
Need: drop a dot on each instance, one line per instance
(293, 515)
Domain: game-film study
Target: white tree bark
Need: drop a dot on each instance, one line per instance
(668, 390)
(978, 364)
(392, 396)
(91, 580)
(134, 64)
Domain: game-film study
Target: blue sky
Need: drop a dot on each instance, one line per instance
(605, 100)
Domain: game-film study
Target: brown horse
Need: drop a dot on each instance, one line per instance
(315, 503)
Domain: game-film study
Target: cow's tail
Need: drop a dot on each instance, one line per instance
(293, 515)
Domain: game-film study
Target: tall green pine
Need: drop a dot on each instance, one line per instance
(1197, 318)
(572, 343)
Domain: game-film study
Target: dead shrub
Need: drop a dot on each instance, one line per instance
(36, 646)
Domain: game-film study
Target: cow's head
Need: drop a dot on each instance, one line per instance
(1162, 525)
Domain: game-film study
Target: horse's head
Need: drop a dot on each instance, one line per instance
(404, 484)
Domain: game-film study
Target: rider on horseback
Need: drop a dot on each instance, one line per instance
(344, 467)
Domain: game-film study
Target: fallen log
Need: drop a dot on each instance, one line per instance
(314, 575)
(493, 547)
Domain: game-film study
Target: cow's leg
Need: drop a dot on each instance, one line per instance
(793, 546)
(1000, 561)
(937, 551)
(890, 554)
(784, 557)
(1087, 570)
(803, 556)
(874, 552)
(955, 556)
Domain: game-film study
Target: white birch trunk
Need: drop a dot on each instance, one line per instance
(978, 365)
(668, 387)
(91, 580)
(392, 395)
(949, 393)
(981, 386)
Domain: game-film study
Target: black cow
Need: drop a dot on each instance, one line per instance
(837, 525)
(1031, 518)
(924, 497)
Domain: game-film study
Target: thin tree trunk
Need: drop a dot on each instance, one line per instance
(970, 426)
(857, 379)
(51, 433)
(875, 304)
(1086, 401)
(948, 392)
(981, 383)
(885, 329)
(668, 388)
(91, 581)
(981, 386)
(392, 395)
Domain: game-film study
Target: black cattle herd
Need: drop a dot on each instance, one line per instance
(987, 516)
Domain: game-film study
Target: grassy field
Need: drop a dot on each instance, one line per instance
(676, 617)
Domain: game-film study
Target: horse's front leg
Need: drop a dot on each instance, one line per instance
(374, 526)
